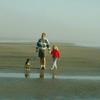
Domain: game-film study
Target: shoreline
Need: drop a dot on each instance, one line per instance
(68, 44)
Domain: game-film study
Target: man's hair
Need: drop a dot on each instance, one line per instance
(43, 34)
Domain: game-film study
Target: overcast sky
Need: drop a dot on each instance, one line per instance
(76, 21)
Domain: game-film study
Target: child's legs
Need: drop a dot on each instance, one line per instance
(54, 63)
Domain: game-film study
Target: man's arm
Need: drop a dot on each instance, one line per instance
(37, 46)
(48, 45)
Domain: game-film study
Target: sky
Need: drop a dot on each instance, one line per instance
(73, 21)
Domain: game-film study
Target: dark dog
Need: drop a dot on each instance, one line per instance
(27, 68)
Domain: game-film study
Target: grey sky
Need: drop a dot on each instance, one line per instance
(75, 21)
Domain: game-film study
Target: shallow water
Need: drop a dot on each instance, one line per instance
(50, 98)
(49, 76)
(72, 89)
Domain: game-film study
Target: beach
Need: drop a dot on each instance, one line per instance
(77, 63)
(47, 89)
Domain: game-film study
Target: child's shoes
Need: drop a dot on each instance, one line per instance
(52, 68)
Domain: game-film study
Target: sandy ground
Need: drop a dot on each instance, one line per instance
(74, 61)
(48, 89)
(16, 87)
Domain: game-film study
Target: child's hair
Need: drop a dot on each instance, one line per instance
(27, 61)
(54, 47)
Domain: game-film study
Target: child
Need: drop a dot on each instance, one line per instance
(55, 56)
(27, 68)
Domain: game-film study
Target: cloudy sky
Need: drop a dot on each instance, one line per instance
(75, 21)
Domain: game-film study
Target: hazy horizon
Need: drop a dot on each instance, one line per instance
(70, 21)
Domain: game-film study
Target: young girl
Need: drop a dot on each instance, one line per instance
(55, 56)
(27, 68)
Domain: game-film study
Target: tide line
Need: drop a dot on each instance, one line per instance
(49, 76)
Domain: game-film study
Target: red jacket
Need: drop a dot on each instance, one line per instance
(55, 54)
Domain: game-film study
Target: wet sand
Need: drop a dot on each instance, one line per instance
(14, 86)
(48, 89)
(80, 65)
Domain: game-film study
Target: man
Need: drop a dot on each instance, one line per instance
(41, 47)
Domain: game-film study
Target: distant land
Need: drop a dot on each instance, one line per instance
(18, 40)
